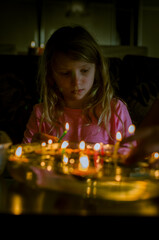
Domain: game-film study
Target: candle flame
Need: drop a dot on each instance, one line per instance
(82, 145)
(67, 126)
(18, 151)
(131, 129)
(97, 146)
(118, 136)
(156, 155)
(50, 141)
(32, 44)
(84, 161)
(64, 144)
(43, 144)
(65, 159)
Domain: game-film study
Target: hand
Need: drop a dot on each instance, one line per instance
(42, 137)
(147, 142)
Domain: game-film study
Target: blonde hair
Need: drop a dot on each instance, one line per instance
(78, 44)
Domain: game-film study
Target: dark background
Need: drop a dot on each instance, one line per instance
(128, 32)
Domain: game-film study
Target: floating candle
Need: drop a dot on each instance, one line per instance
(64, 133)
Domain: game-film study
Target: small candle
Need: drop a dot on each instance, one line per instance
(82, 145)
(18, 152)
(117, 145)
(18, 155)
(64, 133)
(131, 129)
(32, 44)
(64, 146)
(96, 155)
(83, 163)
(50, 143)
(154, 157)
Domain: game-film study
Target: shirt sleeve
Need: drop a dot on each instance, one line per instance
(32, 126)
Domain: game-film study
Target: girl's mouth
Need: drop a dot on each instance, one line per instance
(77, 91)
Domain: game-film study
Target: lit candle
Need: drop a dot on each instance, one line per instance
(96, 155)
(64, 133)
(154, 157)
(32, 44)
(83, 159)
(83, 163)
(18, 152)
(131, 129)
(117, 145)
(82, 145)
(18, 155)
(43, 145)
(50, 144)
(64, 146)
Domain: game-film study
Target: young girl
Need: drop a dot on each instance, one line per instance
(76, 88)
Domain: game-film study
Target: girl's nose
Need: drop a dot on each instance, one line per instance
(75, 78)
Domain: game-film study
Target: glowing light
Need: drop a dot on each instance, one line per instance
(43, 144)
(82, 145)
(64, 133)
(156, 155)
(84, 162)
(65, 159)
(131, 129)
(50, 141)
(64, 144)
(97, 146)
(18, 151)
(67, 126)
(32, 44)
(118, 136)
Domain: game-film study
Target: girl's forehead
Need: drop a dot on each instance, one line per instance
(63, 61)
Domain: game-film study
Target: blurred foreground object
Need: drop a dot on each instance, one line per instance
(5, 142)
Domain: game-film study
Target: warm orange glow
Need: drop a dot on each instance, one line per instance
(118, 136)
(131, 129)
(82, 145)
(18, 151)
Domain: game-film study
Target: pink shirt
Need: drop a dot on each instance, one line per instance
(78, 129)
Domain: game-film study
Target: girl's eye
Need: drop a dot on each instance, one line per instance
(65, 73)
(84, 70)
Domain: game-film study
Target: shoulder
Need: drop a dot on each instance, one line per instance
(38, 109)
(118, 104)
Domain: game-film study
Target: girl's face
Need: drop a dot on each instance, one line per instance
(74, 79)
